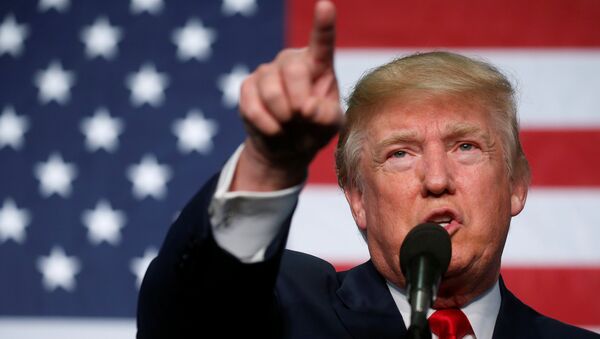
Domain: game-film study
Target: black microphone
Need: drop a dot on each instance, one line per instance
(424, 258)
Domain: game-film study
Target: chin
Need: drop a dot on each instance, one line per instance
(450, 302)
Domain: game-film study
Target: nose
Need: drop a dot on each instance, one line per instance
(436, 174)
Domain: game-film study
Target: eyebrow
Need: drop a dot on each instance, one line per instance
(453, 131)
(396, 138)
(460, 130)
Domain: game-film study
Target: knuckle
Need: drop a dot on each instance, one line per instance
(263, 69)
(251, 115)
(247, 93)
(283, 54)
(271, 92)
(271, 130)
(287, 54)
(246, 88)
(295, 69)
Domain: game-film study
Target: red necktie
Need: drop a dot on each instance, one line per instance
(450, 323)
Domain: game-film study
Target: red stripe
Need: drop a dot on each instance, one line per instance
(566, 294)
(322, 169)
(468, 23)
(564, 157)
(558, 158)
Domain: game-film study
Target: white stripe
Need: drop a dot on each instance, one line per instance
(323, 226)
(66, 328)
(557, 227)
(557, 88)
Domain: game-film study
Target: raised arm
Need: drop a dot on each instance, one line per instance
(291, 109)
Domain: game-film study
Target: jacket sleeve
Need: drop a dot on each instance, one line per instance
(193, 286)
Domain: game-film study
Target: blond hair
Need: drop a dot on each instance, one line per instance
(433, 73)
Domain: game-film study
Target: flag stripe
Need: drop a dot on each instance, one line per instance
(563, 157)
(544, 289)
(568, 158)
(67, 327)
(470, 23)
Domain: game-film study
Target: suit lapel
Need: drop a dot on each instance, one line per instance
(515, 319)
(366, 307)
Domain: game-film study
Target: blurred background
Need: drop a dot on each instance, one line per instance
(113, 114)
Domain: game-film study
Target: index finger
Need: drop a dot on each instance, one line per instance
(322, 39)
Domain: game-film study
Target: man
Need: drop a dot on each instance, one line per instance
(427, 138)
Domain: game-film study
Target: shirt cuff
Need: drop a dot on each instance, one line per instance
(244, 223)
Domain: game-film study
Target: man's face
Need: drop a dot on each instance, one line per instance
(437, 160)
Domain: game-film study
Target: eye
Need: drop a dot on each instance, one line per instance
(466, 147)
(398, 154)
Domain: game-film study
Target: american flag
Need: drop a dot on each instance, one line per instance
(113, 113)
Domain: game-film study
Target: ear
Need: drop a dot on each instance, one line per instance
(354, 196)
(518, 197)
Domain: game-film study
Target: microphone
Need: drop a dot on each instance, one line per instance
(424, 258)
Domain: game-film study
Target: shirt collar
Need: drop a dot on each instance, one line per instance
(481, 312)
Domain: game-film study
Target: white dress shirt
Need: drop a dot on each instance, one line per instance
(481, 312)
(245, 223)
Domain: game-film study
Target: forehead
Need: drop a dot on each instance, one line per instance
(448, 114)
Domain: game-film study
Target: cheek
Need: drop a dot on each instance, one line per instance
(488, 207)
(386, 198)
(388, 210)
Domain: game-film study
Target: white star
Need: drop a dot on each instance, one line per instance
(13, 222)
(150, 6)
(149, 178)
(230, 85)
(58, 5)
(245, 7)
(54, 83)
(12, 36)
(101, 39)
(139, 265)
(195, 132)
(101, 131)
(55, 176)
(58, 270)
(147, 86)
(12, 128)
(104, 223)
(193, 40)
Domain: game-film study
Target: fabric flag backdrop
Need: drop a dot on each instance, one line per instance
(112, 114)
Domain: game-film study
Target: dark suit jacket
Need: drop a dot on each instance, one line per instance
(194, 289)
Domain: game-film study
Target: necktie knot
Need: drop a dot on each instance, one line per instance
(450, 323)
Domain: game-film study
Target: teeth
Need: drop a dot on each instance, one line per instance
(442, 222)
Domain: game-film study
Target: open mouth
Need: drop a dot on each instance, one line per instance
(443, 217)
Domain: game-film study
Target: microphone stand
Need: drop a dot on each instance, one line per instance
(421, 297)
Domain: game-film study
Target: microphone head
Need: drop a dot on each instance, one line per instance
(427, 239)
